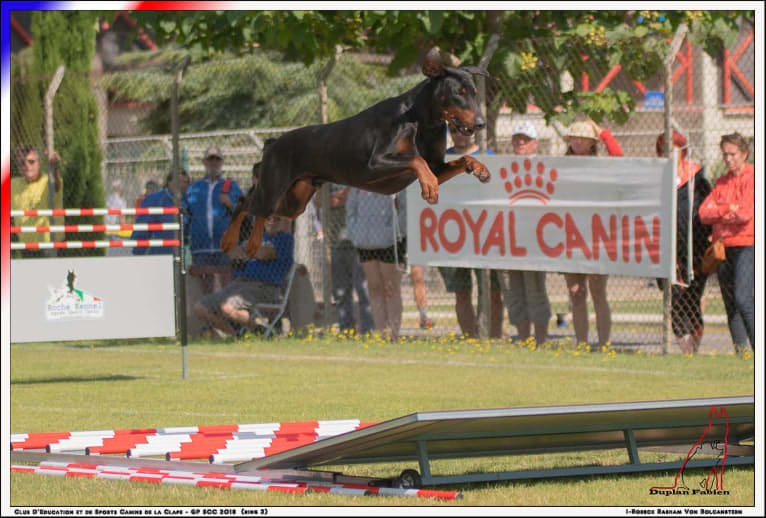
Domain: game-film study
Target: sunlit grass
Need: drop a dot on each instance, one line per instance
(138, 384)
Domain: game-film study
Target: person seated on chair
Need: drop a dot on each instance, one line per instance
(254, 281)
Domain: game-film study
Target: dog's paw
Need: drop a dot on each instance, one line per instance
(431, 195)
(483, 177)
(477, 169)
(430, 191)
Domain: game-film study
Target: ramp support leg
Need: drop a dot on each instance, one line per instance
(425, 468)
(630, 442)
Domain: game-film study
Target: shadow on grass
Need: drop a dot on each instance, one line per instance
(74, 379)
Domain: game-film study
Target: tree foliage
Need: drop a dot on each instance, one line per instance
(258, 90)
(75, 111)
(638, 40)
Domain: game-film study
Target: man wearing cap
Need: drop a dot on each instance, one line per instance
(208, 204)
(526, 298)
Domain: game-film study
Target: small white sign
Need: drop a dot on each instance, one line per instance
(69, 302)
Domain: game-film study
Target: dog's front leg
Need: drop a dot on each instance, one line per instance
(429, 184)
(466, 164)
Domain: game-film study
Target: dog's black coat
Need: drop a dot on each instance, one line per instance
(381, 149)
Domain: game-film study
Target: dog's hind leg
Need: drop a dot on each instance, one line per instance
(256, 236)
(294, 201)
(231, 236)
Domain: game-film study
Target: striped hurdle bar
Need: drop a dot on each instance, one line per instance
(140, 243)
(222, 480)
(216, 443)
(95, 212)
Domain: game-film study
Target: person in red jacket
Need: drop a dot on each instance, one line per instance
(582, 139)
(729, 209)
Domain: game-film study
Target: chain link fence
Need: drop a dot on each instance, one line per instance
(237, 104)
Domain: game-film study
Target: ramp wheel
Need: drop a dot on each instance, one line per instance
(409, 478)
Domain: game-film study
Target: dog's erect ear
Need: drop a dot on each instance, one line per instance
(433, 66)
(476, 71)
(437, 62)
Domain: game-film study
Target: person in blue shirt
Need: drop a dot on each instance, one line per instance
(458, 280)
(208, 204)
(256, 280)
(161, 198)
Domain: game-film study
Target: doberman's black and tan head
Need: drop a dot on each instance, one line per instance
(454, 93)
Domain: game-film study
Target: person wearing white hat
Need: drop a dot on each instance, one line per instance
(582, 139)
(524, 138)
(526, 299)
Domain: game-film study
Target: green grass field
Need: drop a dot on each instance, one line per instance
(83, 386)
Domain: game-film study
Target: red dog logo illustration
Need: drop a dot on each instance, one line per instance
(526, 181)
(716, 472)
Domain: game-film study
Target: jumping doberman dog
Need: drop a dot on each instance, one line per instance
(381, 149)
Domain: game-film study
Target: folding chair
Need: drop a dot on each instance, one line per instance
(263, 310)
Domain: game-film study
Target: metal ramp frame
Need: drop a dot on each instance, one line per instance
(427, 436)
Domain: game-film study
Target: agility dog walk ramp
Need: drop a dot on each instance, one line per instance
(716, 424)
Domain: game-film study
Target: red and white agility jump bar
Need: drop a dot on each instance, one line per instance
(222, 480)
(227, 442)
(97, 228)
(139, 243)
(95, 212)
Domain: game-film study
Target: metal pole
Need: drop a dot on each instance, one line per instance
(180, 266)
(485, 324)
(667, 302)
(324, 193)
(49, 95)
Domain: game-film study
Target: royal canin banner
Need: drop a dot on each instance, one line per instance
(558, 214)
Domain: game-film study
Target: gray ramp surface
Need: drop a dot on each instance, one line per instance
(526, 430)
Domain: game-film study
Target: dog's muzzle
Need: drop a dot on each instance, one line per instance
(479, 124)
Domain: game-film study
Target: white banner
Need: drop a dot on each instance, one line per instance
(83, 298)
(558, 214)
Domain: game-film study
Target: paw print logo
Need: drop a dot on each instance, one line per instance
(526, 181)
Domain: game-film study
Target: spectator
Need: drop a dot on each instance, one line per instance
(527, 299)
(30, 192)
(149, 187)
(686, 298)
(418, 276)
(458, 280)
(582, 139)
(164, 197)
(371, 227)
(208, 204)
(729, 209)
(256, 280)
(347, 273)
(417, 273)
(115, 201)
